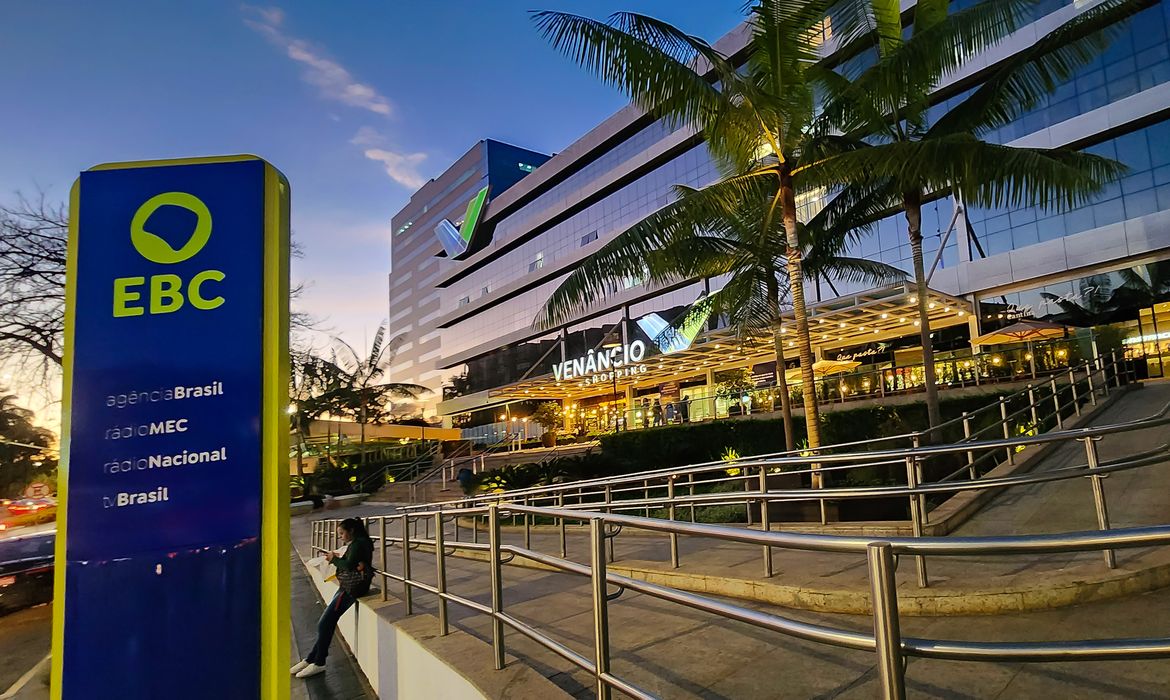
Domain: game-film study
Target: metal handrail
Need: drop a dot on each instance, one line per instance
(819, 465)
(886, 640)
(1097, 366)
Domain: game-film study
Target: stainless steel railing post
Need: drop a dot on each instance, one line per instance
(970, 454)
(646, 496)
(1056, 403)
(916, 517)
(609, 511)
(1089, 367)
(1032, 406)
(766, 525)
(441, 574)
(691, 482)
(600, 606)
(1072, 383)
(497, 575)
(407, 594)
(1099, 502)
(1113, 364)
(747, 502)
(382, 546)
(886, 629)
(527, 527)
(475, 529)
(670, 514)
(564, 538)
(1007, 435)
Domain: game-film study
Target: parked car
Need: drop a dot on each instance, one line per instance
(26, 571)
(29, 511)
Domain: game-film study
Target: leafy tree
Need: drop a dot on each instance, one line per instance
(25, 452)
(897, 152)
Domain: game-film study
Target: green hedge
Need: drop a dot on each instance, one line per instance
(678, 445)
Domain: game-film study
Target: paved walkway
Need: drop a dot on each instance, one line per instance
(674, 652)
(342, 679)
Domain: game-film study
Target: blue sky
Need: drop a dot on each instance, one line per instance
(357, 102)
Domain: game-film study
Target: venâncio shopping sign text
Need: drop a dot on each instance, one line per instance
(606, 365)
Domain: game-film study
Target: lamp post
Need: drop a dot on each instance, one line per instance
(613, 341)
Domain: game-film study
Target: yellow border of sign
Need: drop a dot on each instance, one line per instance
(274, 537)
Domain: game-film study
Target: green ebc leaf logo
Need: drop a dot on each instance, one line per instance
(152, 246)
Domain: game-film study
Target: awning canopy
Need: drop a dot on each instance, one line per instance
(1022, 332)
(872, 316)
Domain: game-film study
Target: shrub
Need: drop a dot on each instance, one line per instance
(691, 443)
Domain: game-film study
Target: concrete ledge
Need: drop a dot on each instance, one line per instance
(300, 507)
(923, 602)
(405, 657)
(346, 501)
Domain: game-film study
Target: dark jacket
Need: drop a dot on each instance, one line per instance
(359, 551)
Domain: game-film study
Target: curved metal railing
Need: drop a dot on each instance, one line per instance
(1051, 403)
(886, 640)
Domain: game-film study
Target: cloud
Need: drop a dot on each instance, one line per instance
(331, 78)
(402, 168)
(368, 136)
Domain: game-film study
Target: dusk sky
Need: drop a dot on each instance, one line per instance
(359, 103)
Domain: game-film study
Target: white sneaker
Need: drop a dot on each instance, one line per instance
(298, 667)
(310, 671)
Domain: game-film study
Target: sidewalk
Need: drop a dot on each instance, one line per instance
(342, 679)
(828, 582)
(675, 652)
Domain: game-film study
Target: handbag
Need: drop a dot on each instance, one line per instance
(353, 582)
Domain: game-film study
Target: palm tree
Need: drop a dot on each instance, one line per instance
(314, 389)
(362, 390)
(757, 122)
(701, 235)
(884, 113)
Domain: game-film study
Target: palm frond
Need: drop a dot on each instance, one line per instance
(404, 390)
(887, 16)
(853, 270)
(1018, 84)
(900, 83)
(1000, 176)
(649, 61)
(636, 252)
(984, 174)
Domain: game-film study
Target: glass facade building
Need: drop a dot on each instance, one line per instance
(478, 319)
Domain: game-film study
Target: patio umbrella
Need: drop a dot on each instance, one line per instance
(1027, 331)
(823, 368)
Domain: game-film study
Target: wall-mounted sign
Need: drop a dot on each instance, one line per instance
(866, 353)
(172, 552)
(604, 365)
(456, 241)
(1049, 304)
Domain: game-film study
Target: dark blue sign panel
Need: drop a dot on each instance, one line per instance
(164, 505)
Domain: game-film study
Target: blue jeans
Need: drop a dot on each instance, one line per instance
(327, 625)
